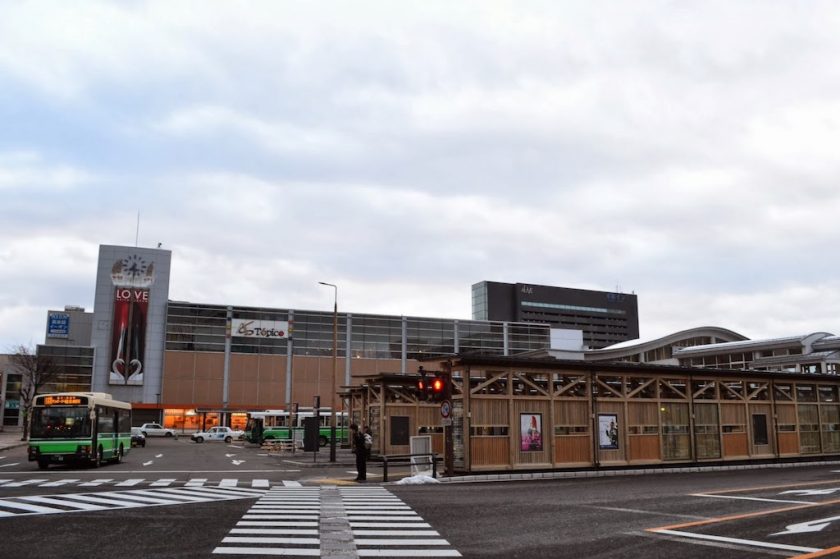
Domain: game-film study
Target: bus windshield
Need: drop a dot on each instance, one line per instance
(60, 423)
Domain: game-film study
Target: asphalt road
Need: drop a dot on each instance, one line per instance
(204, 491)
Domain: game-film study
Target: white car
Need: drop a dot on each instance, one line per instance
(225, 434)
(156, 430)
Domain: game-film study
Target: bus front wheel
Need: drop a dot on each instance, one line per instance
(322, 440)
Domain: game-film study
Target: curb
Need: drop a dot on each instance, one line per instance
(481, 478)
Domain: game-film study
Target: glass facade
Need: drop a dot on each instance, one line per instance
(479, 301)
(75, 364)
(192, 327)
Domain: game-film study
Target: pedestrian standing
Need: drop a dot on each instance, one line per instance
(358, 439)
(368, 441)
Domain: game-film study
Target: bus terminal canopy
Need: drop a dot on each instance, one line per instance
(542, 413)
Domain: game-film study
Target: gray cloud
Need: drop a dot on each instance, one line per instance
(685, 152)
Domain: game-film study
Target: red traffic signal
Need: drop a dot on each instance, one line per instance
(422, 386)
(436, 388)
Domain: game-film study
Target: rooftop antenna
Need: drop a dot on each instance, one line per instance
(137, 235)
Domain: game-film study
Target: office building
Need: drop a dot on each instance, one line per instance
(605, 318)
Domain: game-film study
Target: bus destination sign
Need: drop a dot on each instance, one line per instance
(64, 400)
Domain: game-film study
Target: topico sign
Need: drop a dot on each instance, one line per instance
(276, 329)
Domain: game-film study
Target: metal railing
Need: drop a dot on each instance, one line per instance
(400, 459)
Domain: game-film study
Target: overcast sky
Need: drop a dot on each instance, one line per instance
(687, 152)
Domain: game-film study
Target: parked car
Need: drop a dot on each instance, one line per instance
(137, 437)
(156, 430)
(225, 434)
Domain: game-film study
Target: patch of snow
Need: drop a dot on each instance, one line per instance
(417, 480)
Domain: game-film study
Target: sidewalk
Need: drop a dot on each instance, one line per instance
(10, 437)
(343, 457)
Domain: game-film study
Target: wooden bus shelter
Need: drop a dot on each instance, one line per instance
(543, 414)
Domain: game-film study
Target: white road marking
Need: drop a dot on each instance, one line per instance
(395, 533)
(158, 455)
(637, 511)
(401, 541)
(407, 553)
(286, 517)
(198, 482)
(111, 500)
(260, 483)
(753, 499)
(390, 524)
(810, 526)
(149, 463)
(237, 462)
(63, 503)
(287, 541)
(162, 483)
(10, 465)
(382, 525)
(809, 492)
(753, 543)
(275, 531)
(228, 482)
(23, 482)
(95, 482)
(58, 483)
(297, 552)
(291, 484)
(129, 482)
(276, 523)
(27, 508)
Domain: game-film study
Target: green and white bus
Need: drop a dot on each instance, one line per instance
(79, 427)
(280, 425)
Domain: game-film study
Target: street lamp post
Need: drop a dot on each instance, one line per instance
(335, 370)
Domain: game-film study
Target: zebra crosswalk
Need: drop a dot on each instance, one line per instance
(110, 500)
(134, 482)
(287, 521)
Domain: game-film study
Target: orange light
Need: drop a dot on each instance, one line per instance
(437, 385)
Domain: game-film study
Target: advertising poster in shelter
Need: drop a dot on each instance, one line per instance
(608, 431)
(530, 432)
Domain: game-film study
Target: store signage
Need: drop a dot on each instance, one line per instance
(260, 328)
(58, 325)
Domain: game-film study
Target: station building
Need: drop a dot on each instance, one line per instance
(194, 365)
(526, 395)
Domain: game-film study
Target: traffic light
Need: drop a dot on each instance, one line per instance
(441, 387)
(434, 389)
(422, 385)
(437, 388)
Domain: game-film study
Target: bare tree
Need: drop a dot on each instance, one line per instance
(36, 371)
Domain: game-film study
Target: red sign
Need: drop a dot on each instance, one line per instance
(128, 335)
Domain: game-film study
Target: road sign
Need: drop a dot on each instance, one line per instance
(446, 409)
